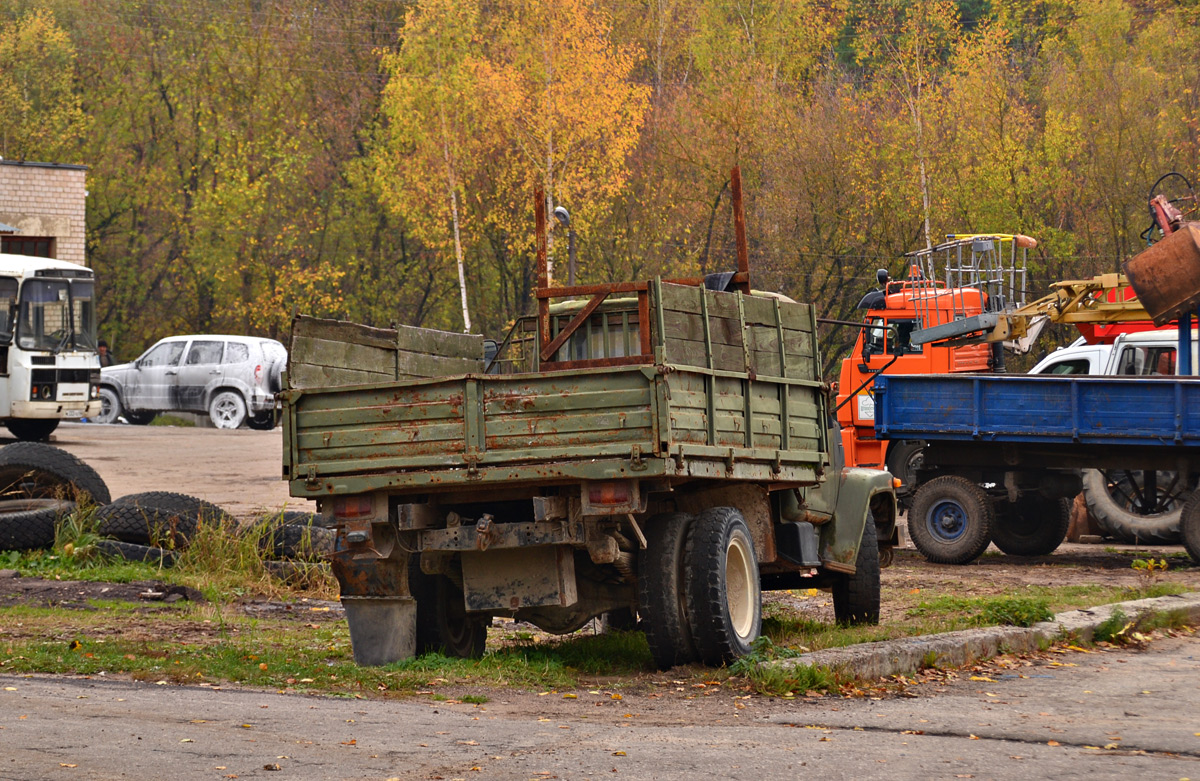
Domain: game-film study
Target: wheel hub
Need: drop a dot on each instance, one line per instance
(947, 521)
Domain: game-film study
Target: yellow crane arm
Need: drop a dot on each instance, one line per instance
(1074, 301)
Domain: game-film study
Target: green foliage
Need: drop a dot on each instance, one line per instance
(988, 611)
(1113, 629)
(258, 160)
(781, 680)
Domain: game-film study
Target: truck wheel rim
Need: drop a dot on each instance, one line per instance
(946, 521)
(739, 591)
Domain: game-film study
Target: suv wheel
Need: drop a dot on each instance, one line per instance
(227, 410)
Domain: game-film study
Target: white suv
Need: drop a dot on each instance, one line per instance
(233, 379)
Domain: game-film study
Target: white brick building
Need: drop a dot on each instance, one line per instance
(45, 203)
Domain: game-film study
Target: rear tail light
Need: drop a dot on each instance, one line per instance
(349, 507)
(609, 492)
(258, 375)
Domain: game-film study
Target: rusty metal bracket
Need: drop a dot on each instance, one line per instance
(472, 466)
(312, 482)
(635, 459)
(483, 531)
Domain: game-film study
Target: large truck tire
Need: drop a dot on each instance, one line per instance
(1033, 526)
(662, 592)
(724, 598)
(856, 597)
(31, 429)
(443, 624)
(951, 520)
(298, 542)
(158, 516)
(1189, 526)
(130, 551)
(29, 524)
(904, 458)
(33, 469)
(1112, 499)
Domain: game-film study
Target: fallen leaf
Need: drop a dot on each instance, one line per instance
(350, 742)
(617, 697)
(66, 764)
(982, 678)
(619, 754)
(187, 740)
(14, 688)
(272, 766)
(973, 737)
(1052, 743)
(570, 696)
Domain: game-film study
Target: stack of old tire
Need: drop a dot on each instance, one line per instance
(41, 484)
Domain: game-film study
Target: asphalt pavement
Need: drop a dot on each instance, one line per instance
(1106, 714)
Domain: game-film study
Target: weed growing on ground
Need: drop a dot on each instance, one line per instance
(988, 611)
(1113, 628)
(780, 680)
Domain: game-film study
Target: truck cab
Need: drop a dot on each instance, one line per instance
(883, 346)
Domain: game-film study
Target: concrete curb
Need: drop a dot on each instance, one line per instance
(957, 649)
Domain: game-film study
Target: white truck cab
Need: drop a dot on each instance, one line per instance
(49, 368)
(1145, 353)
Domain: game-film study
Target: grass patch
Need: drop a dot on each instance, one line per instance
(780, 680)
(988, 611)
(1113, 628)
(173, 420)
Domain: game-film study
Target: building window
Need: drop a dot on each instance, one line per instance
(38, 246)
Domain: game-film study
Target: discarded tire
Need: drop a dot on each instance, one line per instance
(1116, 500)
(298, 542)
(856, 597)
(1035, 526)
(28, 524)
(157, 517)
(133, 552)
(33, 469)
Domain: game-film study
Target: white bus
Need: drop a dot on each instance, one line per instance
(49, 368)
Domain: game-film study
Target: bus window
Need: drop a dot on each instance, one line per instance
(8, 307)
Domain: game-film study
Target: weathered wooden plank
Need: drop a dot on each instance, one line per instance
(423, 366)
(378, 415)
(342, 355)
(446, 344)
(636, 398)
(601, 421)
(558, 443)
(796, 316)
(342, 331)
(307, 375)
(430, 437)
(685, 352)
(690, 325)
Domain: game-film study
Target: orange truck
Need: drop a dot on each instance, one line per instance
(967, 278)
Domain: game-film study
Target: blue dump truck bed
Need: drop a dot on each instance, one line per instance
(1129, 411)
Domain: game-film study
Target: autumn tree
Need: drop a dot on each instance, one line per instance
(41, 117)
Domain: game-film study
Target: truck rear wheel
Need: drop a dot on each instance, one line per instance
(460, 633)
(1189, 526)
(1033, 526)
(724, 600)
(856, 597)
(32, 429)
(662, 589)
(1128, 512)
(951, 520)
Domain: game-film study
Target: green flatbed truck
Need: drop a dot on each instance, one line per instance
(655, 453)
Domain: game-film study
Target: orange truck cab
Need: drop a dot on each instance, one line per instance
(891, 314)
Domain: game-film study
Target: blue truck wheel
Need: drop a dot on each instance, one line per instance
(951, 520)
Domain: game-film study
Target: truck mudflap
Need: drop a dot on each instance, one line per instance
(380, 611)
(866, 496)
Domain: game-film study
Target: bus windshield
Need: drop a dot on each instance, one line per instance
(57, 315)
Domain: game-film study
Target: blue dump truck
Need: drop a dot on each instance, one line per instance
(1003, 452)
